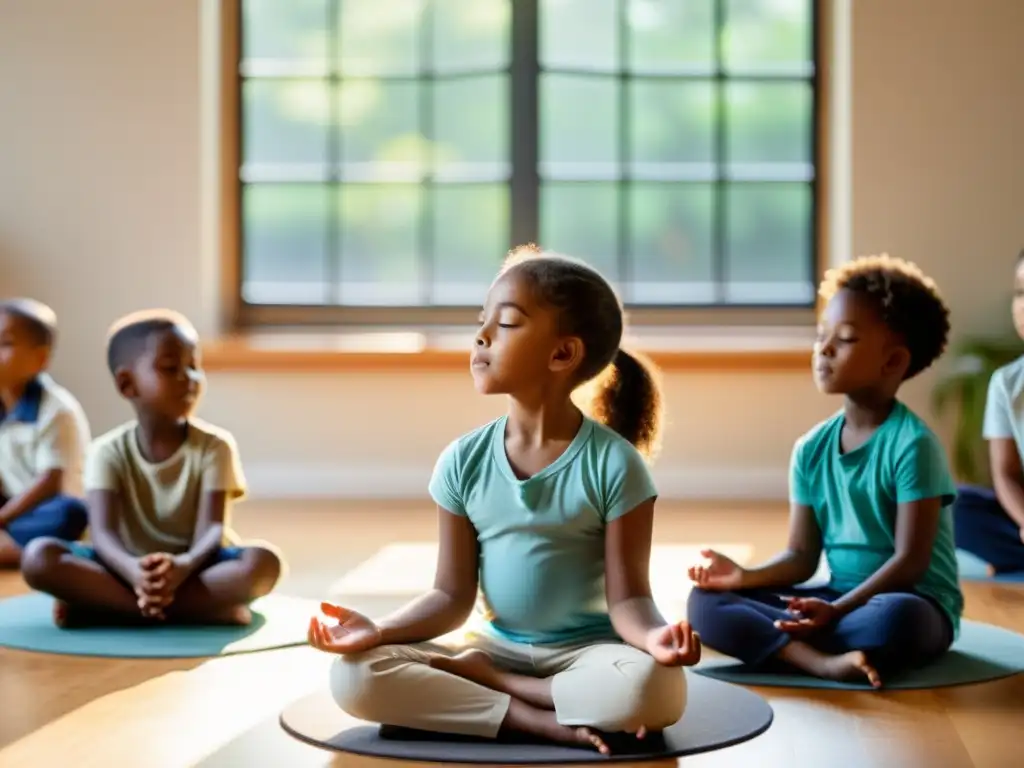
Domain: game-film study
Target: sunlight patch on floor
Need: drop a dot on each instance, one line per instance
(176, 719)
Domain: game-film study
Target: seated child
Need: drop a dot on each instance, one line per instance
(550, 512)
(43, 436)
(871, 487)
(159, 491)
(990, 525)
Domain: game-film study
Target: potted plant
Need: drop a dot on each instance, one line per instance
(964, 387)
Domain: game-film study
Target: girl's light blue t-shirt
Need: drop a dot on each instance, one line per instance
(542, 539)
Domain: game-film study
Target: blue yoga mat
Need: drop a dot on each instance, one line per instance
(26, 623)
(983, 652)
(975, 569)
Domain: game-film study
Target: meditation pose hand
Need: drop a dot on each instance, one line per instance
(353, 632)
(161, 576)
(810, 614)
(720, 573)
(674, 645)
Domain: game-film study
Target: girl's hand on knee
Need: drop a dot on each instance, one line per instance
(674, 645)
(353, 632)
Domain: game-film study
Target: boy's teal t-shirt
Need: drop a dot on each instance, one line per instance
(855, 498)
(542, 539)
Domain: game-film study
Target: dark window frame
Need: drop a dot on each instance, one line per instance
(524, 186)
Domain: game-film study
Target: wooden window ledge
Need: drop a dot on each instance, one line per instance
(682, 349)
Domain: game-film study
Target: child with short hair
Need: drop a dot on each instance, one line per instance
(549, 511)
(160, 488)
(871, 487)
(43, 435)
(990, 524)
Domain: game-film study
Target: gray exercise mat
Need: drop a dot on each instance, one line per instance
(973, 568)
(982, 653)
(718, 715)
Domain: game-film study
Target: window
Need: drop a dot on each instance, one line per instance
(392, 151)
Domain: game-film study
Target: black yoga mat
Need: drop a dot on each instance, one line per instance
(718, 715)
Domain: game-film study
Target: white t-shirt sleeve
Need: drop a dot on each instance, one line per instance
(58, 443)
(103, 467)
(998, 422)
(222, 469)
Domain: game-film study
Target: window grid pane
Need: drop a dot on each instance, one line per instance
(683, 121)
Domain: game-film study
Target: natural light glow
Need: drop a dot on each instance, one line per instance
(406, 569)
(180, 717)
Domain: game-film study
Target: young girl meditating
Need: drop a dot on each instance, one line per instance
(871, 487)
(549, 512)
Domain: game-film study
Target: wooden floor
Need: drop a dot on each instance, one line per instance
(74, 711)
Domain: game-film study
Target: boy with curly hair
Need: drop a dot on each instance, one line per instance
(870, 487)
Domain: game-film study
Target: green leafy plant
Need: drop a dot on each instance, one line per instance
(964, 387)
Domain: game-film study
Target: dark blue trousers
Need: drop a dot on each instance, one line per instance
(62, 517)
(896, 630)
(982, 527)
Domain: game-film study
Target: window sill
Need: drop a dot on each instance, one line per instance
(672, 349)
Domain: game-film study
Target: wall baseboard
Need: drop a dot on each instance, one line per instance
(322, 481)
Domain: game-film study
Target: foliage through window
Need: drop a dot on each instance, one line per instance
(391, 151)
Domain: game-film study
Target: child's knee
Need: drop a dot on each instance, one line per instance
(906, 617)
(660, 695)
(702, 606)
(265, 568)
(74, 518)
(355, 684)
(39, 560)
(62, 517)
(619, 688)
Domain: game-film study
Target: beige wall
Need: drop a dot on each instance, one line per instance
(102, 211)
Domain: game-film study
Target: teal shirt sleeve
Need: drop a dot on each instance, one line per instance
(799, 487)
(998, 423)
(922, 472)
(446, 482)
(629, 482)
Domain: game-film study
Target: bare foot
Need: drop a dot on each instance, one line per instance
(850, 666)
(61, 614)
(472, 665)
(588, 738)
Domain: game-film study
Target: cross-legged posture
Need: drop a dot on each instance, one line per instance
(549, 512)
(990, 524)
(43, 436)
(159, 491)
(871, 487)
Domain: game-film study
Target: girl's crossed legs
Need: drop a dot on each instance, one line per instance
(485, 684)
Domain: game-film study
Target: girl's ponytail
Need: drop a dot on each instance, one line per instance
(627, 398)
